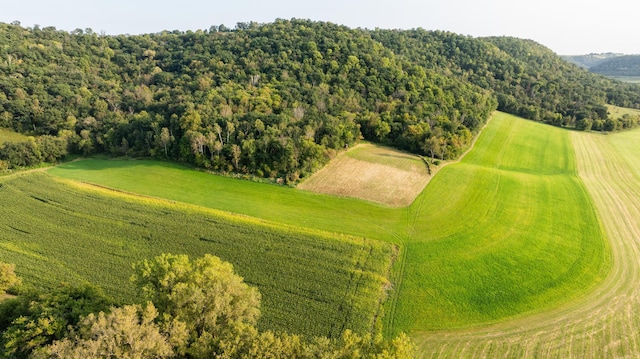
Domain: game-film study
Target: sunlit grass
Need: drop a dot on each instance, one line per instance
(509, 230)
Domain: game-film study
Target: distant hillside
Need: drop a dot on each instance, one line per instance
(590, 60)
(527, 78)
(628, 65)
(279, 100)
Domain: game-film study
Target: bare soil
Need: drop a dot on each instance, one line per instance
(373, 173)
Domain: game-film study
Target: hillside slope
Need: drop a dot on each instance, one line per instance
(279, 100)
(628, 65)
(590, 60)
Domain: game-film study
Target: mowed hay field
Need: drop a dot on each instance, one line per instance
(56, 231)
(507, 232)
(605, 323)
(374, 173)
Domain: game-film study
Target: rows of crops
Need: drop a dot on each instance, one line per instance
(55, 231)
(509, 230)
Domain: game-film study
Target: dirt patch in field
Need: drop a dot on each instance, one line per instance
(372, 173)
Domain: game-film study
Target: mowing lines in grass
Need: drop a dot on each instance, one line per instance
(603, 323)
(507, 231)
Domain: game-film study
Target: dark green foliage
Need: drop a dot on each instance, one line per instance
(528, 79)
(21, 154)
(278, 100)
(33, 152)
(275, 100)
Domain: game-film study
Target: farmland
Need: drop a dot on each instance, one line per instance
(58, 231)
(373, 173)
(507, 231)
(603, 323)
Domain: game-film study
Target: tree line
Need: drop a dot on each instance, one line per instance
(279, 100)
(191, 309)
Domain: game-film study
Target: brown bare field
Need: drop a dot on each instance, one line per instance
(373, 173)
(604, 323)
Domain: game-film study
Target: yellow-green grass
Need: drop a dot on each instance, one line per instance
(617, 112)
(602, 324)
(7, 135)
(6, 296)
(54, 231)
(510, 230)
(372, 172)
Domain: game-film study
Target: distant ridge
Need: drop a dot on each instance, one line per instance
(608, 64)
(628, 65)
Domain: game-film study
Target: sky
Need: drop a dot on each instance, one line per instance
(568, 27)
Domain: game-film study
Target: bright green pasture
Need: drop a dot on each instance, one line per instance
(266, 201)
(56, 232)
(508, 230)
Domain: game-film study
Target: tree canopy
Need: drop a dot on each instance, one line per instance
(277, 100)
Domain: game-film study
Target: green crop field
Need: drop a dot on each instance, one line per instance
(509, 230)
(55, 231)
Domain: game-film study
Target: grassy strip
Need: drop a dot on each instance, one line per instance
(7, 135)
(617, 112)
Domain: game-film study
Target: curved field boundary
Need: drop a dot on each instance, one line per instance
(508, 230)
(604, 323)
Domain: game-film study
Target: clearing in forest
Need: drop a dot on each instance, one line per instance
(7, 135)
(373, 173)
(617, 112)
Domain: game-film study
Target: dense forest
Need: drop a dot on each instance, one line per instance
(279, 100)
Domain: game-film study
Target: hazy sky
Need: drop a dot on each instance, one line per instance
(566, 26)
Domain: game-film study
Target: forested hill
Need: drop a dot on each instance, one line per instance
(527, 78)
(276, 100)
(628, 65)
